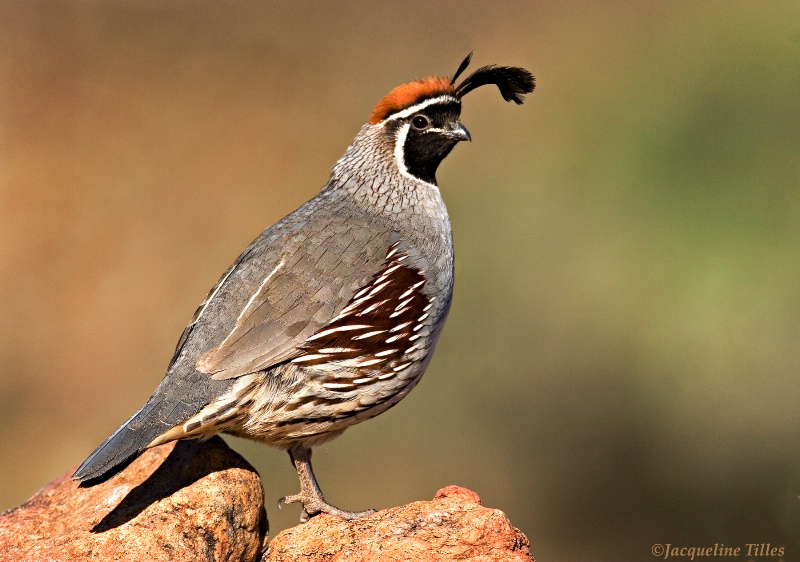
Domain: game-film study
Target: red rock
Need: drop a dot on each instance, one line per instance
(186, 501)
(201, 501)
(454, 526)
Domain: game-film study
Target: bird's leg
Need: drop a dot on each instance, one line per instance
(310, 495)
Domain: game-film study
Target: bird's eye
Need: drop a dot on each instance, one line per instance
(420, 122)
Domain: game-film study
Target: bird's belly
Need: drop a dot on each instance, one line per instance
(309, 408)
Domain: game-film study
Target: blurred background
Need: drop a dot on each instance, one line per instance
(620, 366)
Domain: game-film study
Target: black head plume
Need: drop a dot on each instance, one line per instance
(512, 81)
(461, 68)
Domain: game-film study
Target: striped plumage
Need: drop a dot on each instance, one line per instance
(329, 317)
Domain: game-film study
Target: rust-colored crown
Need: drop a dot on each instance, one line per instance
(408, 94)
(512, 82)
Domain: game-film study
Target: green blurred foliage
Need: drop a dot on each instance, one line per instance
(620, 364)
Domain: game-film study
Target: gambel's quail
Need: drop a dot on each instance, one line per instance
(329, 317)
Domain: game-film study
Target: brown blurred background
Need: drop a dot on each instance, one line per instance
(621, 362)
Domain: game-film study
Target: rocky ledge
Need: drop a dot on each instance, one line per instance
(202, 501)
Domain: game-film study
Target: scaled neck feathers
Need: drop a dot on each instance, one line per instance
(369, 171)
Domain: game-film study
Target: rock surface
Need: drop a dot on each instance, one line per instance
(201, 501)
(189, 500)
(454, 526)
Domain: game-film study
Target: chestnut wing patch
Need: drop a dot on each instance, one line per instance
(379, 325)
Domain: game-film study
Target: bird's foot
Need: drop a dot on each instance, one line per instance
(314, 505)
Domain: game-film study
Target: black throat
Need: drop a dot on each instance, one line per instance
(426, 146)
(423, 152)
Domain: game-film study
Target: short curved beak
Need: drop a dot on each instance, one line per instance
(458, 132)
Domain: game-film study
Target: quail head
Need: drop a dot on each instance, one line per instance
(331, 315)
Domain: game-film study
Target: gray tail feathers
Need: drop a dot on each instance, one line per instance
(122, 447)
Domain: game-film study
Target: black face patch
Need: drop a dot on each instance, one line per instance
(427, 143)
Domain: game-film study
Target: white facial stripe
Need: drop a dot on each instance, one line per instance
(422, 105)
(399, 145)
(402, 134)
(398, 149)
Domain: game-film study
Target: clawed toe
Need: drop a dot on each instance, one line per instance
(310, 495)
(314, 506)
(289, 499)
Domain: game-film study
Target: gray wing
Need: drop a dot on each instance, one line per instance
(289, 283)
